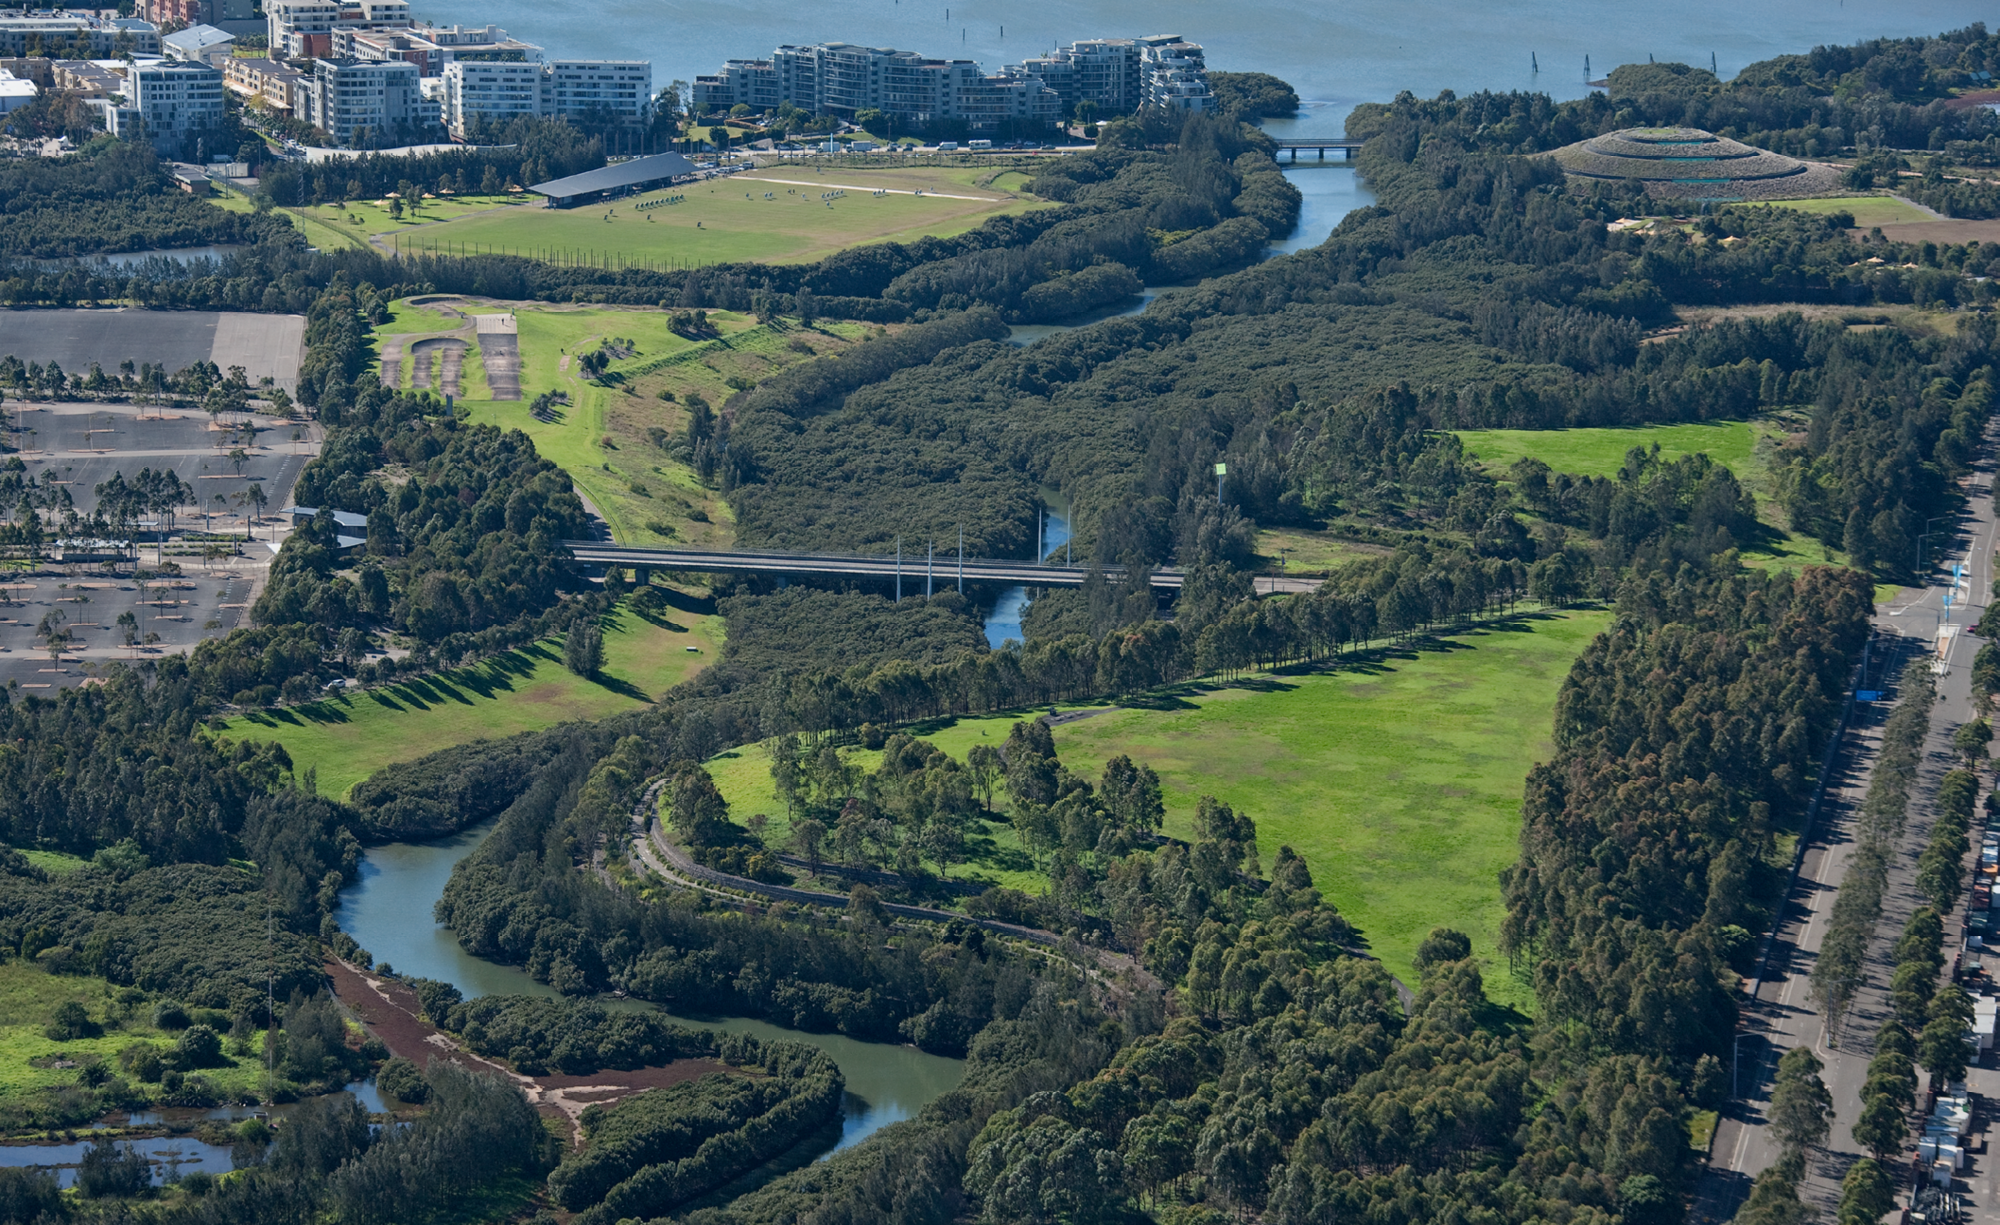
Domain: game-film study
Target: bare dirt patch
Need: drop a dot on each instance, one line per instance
(392, 1012)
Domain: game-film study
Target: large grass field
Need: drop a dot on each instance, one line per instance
(1867, 210)
(1601, 452)
(602, 437)
(349, 737)
(1741, 446)
(746, 217)
(1398, 779)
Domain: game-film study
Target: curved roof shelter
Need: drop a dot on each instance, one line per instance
(639, 174)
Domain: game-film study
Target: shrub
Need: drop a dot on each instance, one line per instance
(400, 1079)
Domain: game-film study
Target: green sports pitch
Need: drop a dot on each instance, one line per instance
(788, 213)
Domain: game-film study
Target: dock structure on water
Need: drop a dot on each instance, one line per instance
(1320, 143)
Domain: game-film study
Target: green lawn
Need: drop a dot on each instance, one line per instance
(1867, 210)
(633, 483)
(28, 1000)
(1601, 452)
(1399, 780)
(1302, 551)
(719, 223)
(348, 738)
(1742, 446)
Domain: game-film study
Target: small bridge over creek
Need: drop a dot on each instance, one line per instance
(1319, 143)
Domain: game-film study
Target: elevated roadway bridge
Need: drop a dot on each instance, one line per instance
(938, 571)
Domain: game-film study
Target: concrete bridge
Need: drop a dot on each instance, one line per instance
(1321, 143)
(917, 571)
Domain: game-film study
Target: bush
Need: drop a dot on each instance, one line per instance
(199, 1047)
(400, 1079)
(71, 1021)
(169, 1015)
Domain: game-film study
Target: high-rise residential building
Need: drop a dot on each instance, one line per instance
(166, 103)
(1175, 75)
(343, 97)
(492, 91)
(608, 91)
(476, 91)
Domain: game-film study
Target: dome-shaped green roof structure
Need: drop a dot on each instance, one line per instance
(1690, 164)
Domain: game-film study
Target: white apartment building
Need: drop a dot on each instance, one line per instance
(342, 97)
(614, 90)
(1175, 75)
(493, 91)
(302, 29)
(1103, 71)
(166, 102)
(44, 33)
(845, 79)
(430, 48)
(499, 91)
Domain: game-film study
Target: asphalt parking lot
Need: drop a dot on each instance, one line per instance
(84, 445)
(264, 345)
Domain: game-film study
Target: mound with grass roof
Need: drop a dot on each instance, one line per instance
(1690, 164)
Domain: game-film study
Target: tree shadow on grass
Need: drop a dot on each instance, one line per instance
(619, 686)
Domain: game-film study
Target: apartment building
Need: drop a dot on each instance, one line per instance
(255, 77)
(1175, 75)
(238, 17)
(498, 91)
(431, 48)
(101, 38)
(619, 91)
(493, 91)
(1118, 75)
(301, 29)
(88, 78)
(166, 102)
(845, 79)
(343, 97)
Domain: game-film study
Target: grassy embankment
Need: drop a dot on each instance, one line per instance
(29, 997)
(602, 436)
(726, 220)
(349, 737)
(1399, 778)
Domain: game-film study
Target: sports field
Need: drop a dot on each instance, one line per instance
(602, 436)
(349, 737)
(786, 214)
(1399, 780)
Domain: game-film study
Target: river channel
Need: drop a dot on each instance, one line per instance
(389, 912)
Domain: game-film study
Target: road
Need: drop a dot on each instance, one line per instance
(942, 571)
(1778, 1013)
